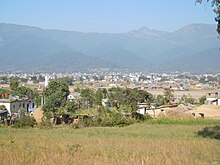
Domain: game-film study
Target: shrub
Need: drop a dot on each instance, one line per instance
(140, 117)
(211, 132)
(25, 121)
(46, 120)
(108, 118)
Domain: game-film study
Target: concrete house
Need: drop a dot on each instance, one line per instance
(142, 108)
(13, 104)
(213, 98)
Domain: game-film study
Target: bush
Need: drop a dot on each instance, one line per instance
(211, 132)
(25, 121)
(108, 118)
(140, 117)
(46, 120)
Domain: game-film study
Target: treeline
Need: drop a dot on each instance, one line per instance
(113, 106)
(56, 93)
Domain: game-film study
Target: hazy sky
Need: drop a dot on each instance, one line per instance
(105, 15)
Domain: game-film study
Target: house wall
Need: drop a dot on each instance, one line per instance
(210, 101)
(32, 106)
(13, 107)
(142, 111)
(7, 106)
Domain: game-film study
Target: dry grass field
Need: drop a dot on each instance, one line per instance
(142, 143)
(195, 93)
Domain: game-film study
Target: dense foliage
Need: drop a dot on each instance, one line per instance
(55, 95)
(24, 120)
(107, 117)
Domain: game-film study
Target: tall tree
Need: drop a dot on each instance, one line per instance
(55, 95)
(88, 96)
(13, 84)
(98, 96)
(168, 95)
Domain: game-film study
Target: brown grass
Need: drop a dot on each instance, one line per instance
(195, 93)
(136, 144)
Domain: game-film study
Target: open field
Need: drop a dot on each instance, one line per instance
(142, 143)
(195, 93)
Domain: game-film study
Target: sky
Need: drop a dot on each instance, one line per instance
(111, 16)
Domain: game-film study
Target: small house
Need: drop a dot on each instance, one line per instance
(142, 108)
(14, 103)
(213, 98)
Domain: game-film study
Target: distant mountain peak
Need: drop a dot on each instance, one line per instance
(30, 48)
(146, 32)
(196, 28)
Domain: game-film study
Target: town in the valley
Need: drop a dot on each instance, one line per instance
(188, 95)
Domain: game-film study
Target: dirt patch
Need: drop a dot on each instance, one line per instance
(209, 111)
(181, 111)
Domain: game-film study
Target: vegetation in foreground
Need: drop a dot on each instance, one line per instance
(140, 143)
(211, 132)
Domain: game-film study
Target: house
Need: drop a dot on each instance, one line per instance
(213, 98)
(73, 96)
(142, 108)
(14, 103)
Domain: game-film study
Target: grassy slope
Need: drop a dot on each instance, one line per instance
(143, 143)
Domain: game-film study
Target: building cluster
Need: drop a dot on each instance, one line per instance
(139, 80)
(106, 79)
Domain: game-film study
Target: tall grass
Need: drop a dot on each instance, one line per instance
(197, 121)
(141, 143)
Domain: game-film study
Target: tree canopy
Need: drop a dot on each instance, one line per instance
(55, 95)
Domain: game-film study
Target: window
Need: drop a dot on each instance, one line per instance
(20, 105)
(14, 106)
(23, 105)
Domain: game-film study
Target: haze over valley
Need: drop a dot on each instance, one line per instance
(192, 48)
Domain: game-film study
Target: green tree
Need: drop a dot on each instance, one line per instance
(116, 96)
(168, 95)
(13, 84)
(160, 100)
(144, 96)
(129, 97)
(68, 80)
(187, 99)
(202, 100)
(88, 96)
(4, 92)
(70, 106)
(55, 95)
(61, 111)
(104, 91)
(31, 94)
(98, 96)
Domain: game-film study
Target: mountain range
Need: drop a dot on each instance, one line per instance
(193, 48)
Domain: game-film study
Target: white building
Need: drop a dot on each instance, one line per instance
(73, 96)
(46, 81)
(142, 108)
(213, 98)
(13, 104)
